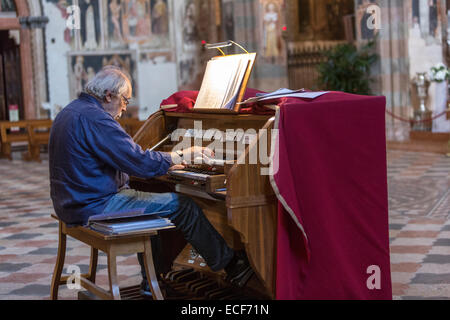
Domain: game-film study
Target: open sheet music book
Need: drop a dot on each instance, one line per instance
(224, 82)
(283, 92)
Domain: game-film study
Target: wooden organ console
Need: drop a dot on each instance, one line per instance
(236, 198)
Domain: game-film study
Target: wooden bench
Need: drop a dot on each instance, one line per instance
(112, 245)
(28, 131)
(31, 131)
(37, 137)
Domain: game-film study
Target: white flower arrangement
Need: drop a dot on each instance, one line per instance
(439, 73)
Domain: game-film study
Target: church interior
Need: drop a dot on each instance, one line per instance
(365, 55)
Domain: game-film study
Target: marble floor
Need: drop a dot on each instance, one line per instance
(419, 228)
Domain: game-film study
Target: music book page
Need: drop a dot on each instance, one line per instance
(223, 79)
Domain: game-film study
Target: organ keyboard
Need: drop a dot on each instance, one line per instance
(233, 191)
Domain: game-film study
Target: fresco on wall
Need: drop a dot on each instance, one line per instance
(142, 22)
(228, 19)
(189, 43)
(160, 17)
(190, 31)
(271, 23)
(433, 18)
(415, 12)
(426, 18)
(364, 32)
(322, 19)
(194, 22)
(90, 32)
(68, 35)
(7, 6)
(89, 37)
(84, 67)
(193, 25)
(272, 30)
(118, 24)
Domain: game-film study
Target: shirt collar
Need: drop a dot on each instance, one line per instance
(88, 97)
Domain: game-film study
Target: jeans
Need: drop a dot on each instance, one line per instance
(186, 215)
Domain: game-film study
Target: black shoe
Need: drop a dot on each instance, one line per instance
(145, 289)
(239, 270)
(167, 291)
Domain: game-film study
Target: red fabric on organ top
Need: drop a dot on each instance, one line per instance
(185, 101)
(333, 233)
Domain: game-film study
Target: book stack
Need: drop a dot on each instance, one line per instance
(130, 221)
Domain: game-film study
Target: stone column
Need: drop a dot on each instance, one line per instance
(391, 73)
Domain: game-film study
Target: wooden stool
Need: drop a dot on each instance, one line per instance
(112, 245)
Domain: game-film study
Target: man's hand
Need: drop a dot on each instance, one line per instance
(198, 154)
(177, 167)
(193, 154)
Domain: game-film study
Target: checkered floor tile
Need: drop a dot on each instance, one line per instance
(29, 238)
(419, 213)
(419, 229)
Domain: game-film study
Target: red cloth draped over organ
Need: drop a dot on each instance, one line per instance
(330, 178)
(333, 233)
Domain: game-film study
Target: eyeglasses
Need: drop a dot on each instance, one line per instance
(127, 101)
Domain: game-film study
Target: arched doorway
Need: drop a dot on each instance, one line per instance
(11, 99)
(16, 73)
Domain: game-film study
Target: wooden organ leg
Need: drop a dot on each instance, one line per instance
(257, 226)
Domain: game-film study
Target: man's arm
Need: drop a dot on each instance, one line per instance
(114, 146)
(109, 142)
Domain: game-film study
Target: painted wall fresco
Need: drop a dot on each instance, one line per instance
(133, 34)
(193, 24)
(61, 5)
(118, 24)
(271, 45)
(272, 27)
(363, 31)
(84, 67)
(228, 19)
(322, 19)
(90, 34)
(7, 6)
(141, 22)
(426, 16)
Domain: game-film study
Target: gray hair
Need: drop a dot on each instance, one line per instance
(110, 78)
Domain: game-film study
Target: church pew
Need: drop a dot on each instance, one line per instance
(9, 135)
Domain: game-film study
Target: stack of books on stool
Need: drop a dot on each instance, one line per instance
(129, 221)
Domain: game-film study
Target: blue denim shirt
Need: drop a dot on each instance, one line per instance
(90, 158)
